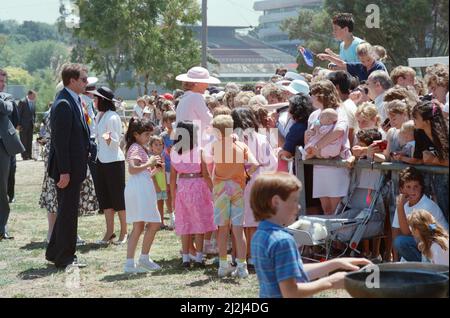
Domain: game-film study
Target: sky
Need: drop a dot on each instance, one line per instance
(220, 12)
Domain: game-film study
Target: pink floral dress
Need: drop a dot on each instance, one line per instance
(194, 209)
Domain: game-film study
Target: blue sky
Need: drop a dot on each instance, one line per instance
(220, 12)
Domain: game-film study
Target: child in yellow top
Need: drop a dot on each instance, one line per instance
(159, 178)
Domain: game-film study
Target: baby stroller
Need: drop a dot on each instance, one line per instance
(351, 223)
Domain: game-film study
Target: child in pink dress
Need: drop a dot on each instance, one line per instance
(192, 196)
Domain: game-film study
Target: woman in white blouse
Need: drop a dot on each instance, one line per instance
(110, 165)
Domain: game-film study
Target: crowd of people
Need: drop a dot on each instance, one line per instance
(218, 161)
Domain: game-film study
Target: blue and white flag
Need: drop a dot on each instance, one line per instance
(308, 56)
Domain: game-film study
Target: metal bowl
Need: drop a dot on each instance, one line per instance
(396, 284)
(428, 267)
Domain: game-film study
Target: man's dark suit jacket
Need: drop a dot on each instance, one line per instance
(8, 134)
(70, 143)
(27, 114)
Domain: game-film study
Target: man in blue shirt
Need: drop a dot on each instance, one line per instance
(281, 273)
(367, 62)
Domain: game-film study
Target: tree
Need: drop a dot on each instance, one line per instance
(150, 37)
(38, 31)
(314, 28)
(167, 49)
(45, 54)
(408, 28)
(419, 29)
(44, 84)
(18, 76)
(104, 37)
(8, 26)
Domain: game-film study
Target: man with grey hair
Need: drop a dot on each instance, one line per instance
(378, 83)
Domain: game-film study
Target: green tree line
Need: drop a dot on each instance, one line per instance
(32, 53)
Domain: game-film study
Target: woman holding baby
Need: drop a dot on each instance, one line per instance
(327, 138)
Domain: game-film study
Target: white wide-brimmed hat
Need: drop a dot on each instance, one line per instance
(92, 80)
(198, 75)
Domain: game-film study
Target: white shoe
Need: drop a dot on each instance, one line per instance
(241, 272)
(192, 257)
(149, 265)
(225, 271)
(134, 269)
(124, 241)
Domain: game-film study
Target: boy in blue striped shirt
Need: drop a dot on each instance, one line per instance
(281, 273)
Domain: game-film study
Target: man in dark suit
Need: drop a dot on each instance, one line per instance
(14, 118)
(10, 145)
(27, 118)
(67, 165)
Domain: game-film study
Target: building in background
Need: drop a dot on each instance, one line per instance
(241, 57)
(274, 13)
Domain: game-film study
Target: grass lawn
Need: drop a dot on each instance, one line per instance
(24, 272)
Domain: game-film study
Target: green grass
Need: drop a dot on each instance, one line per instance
(24, 272)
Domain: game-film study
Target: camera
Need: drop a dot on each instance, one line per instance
(382, 144)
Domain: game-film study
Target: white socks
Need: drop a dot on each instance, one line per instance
(186, 258)
(130, 262)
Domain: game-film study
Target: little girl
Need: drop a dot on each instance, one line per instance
(432, 237)
(191, 194)
(325, 124)
(159, 179)
(140, 195)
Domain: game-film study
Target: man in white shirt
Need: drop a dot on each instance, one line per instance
(192, 104)
(378, 83)
(412, 198)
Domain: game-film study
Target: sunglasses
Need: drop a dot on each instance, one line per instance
(83, 79)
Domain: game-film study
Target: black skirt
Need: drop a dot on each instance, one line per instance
(111, 185)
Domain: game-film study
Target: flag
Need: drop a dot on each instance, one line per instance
(308, 56)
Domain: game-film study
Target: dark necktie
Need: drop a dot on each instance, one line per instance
(80, 108)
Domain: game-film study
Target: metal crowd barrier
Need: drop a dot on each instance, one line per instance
(385, 166)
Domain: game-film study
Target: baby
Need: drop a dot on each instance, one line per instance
(407, 143)
(324, 125)
(407, 139)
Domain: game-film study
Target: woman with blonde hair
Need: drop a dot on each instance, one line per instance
(432, 237)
